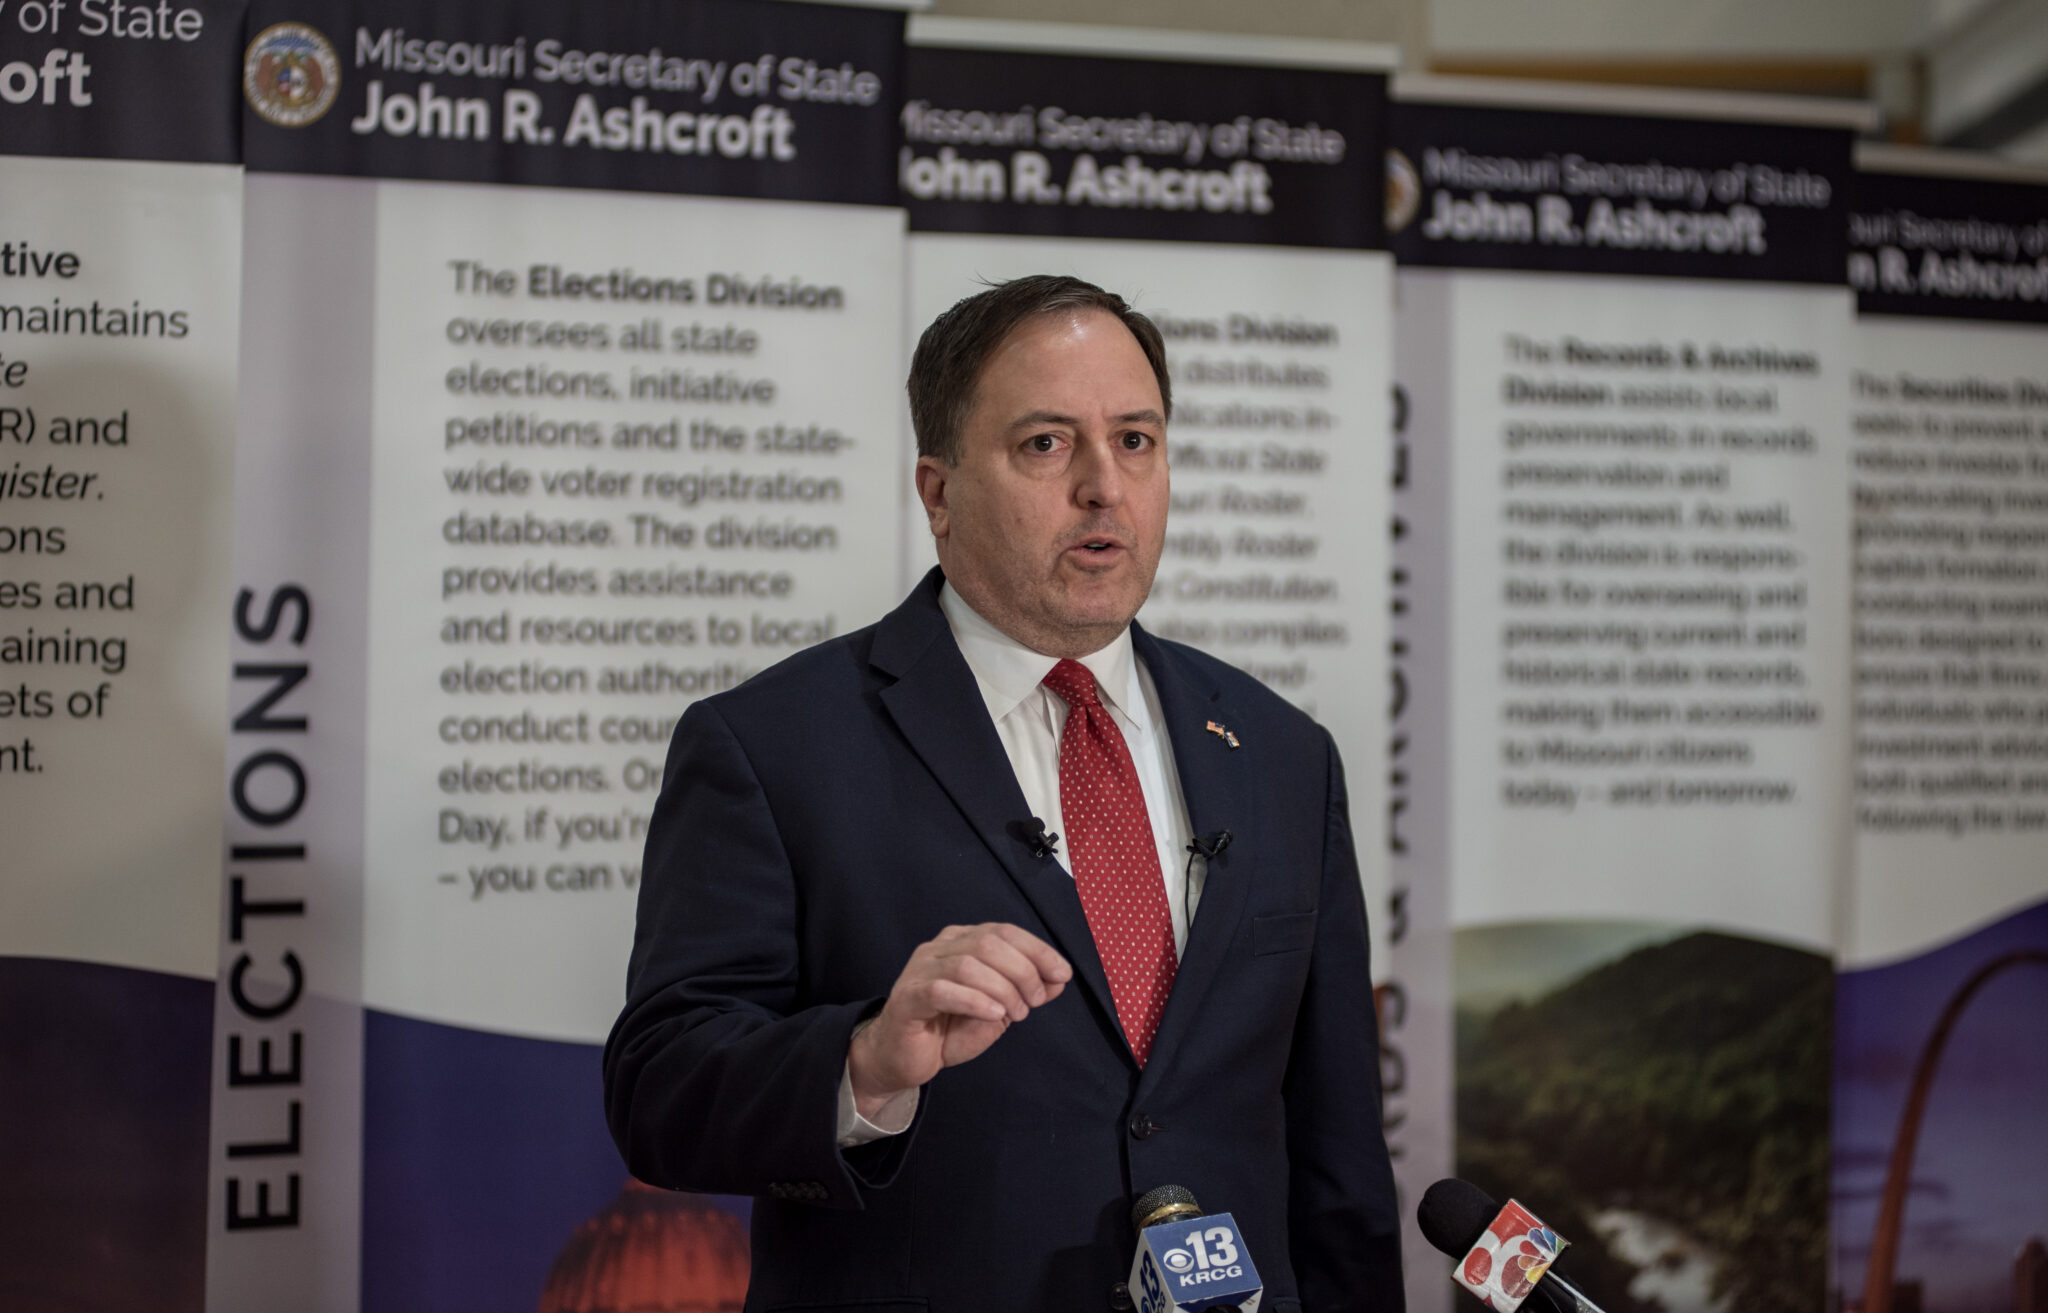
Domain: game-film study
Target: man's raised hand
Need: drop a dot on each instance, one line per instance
(956, 996)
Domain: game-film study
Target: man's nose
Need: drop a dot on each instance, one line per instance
(1098, 479)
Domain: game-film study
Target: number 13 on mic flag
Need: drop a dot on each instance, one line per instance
(1510, 1256)
(1194, 1264)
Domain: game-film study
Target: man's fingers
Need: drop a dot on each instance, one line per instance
(1002, 972)
(1017, 995)
(1053, 968)
(993, 974)
(1033, 965)
(1023, 974)
(950, 997)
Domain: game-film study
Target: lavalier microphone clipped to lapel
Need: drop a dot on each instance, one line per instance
(1031, 833)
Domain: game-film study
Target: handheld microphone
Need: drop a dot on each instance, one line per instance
(1504, 1253)
(1189, 1260)
(1031, 833)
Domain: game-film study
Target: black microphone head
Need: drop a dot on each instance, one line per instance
(1164, 1203)
(1453, 1215)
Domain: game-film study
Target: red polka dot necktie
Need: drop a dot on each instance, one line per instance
(1113, 857)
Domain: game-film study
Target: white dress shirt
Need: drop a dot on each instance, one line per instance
(1029, 719)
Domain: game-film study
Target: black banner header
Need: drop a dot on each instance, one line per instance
(1956, 248)
(715, 97)
(997, 141)
(120, 80)
(1500, 188)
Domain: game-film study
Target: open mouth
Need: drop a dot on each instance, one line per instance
(1097, 550)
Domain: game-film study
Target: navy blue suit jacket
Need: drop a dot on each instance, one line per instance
(819, 822)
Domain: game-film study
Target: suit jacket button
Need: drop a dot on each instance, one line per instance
(1141, 1126)
(1119, 1296)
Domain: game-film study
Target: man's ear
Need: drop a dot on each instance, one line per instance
(931, 475)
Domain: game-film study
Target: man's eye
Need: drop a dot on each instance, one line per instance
(1042, 442)
(1137, 441)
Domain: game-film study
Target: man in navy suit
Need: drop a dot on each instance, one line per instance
(942, 1045)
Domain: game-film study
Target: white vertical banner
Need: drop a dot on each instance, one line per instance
(594, 412)
(1652, 641)
(116, 406)
(1950, 390)
(119, 277)
(1228, 190)
(1625, 357)
(1940, 1151)
(583, 540)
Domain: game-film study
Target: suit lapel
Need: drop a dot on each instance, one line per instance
(1212, 784)
(939, 710)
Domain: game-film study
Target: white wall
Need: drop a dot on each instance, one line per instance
(1709, 30)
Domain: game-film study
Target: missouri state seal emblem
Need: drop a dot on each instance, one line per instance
(290, 74)
(1404, 191)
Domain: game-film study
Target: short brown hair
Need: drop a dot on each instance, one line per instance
(949, 359)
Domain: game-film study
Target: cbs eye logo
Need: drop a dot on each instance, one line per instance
(1180, 1260)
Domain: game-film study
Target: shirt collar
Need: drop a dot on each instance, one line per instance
(1008, 672)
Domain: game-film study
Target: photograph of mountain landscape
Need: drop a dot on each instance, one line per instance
(1659, 1095)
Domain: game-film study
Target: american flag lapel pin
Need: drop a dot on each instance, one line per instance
(1222, 733)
